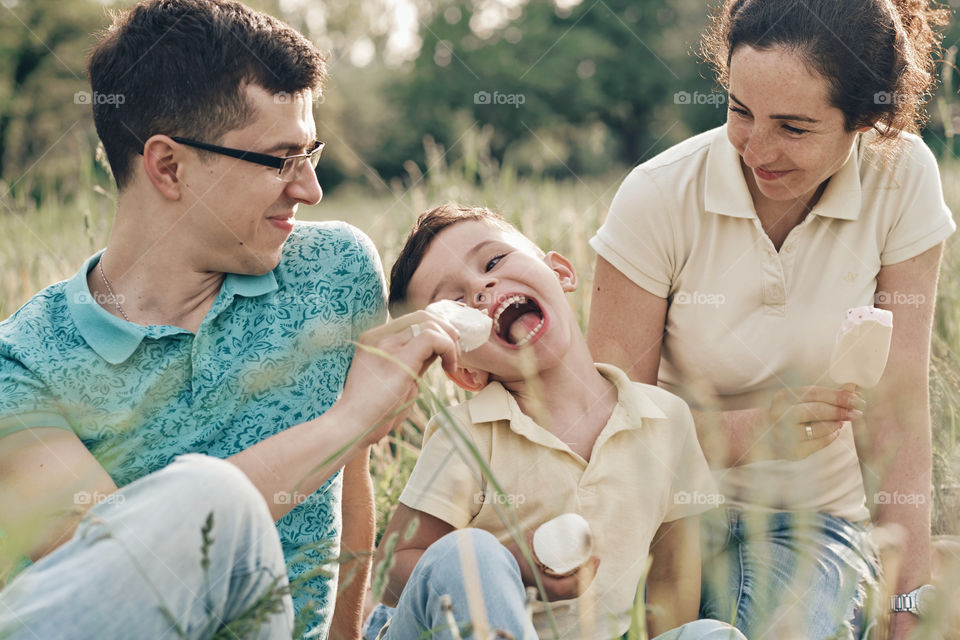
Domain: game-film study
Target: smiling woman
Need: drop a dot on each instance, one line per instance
(726, 266)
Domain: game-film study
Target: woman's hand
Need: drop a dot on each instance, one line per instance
(800, 421)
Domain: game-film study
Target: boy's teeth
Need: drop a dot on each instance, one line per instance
(514, 299)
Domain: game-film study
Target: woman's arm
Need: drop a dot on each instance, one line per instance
(626, 329)
(895, 453)
(627, 325)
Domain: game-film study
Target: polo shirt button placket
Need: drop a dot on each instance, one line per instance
(774, 285)
(200, 362)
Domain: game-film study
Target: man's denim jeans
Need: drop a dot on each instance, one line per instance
(135, 566)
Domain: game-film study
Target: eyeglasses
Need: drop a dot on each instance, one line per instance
(288, 167)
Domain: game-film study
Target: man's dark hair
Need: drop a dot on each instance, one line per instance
(425, 229)
(181, 67)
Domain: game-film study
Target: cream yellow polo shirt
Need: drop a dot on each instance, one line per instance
(745, 319)
(645, 468)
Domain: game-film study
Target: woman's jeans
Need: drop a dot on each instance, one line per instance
(179, 553)
(784, 574)
(438, 577)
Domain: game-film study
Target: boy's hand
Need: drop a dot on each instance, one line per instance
(565, 588)
(386, 368)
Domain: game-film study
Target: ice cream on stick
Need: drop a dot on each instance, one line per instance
(474, 325)
(562, 545)
(862, 348)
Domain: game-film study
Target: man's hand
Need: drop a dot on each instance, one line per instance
(565, 588)
(386, 368)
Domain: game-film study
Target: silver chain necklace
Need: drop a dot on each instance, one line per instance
(110, 290)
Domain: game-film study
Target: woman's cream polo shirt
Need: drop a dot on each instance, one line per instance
(745, 319)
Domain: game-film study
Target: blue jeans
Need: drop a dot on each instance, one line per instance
(135, 568)
(785, 574)
(419, 614)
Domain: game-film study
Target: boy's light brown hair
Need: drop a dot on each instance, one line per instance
(425, 229)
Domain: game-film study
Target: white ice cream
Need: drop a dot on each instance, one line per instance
(474, 325)
(863, 345)
(563, 544)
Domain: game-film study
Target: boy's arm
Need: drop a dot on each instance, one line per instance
(673, 583)
(427, 530)
(356, 544)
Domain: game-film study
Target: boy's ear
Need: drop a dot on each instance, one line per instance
(564, 270)
(468, 379)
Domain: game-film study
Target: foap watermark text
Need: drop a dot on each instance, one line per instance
(496, 98)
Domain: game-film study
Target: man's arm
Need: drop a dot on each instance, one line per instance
(356, 543)
(48, 480)
(387, 359)
(673, 583)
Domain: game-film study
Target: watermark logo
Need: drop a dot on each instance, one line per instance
(288, 497)
(698, 97)
(85, 97)
(285, 97)
(889, 97)
(885, 497)
(309, 300)
(93, 498)
(699, 498)
(697, 297)
(102, 299)
(497, 98)
(899, 297)
(503, 499)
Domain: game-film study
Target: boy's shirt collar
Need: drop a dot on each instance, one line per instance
(495, 403)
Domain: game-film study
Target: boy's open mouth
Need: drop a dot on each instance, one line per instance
(517, 320)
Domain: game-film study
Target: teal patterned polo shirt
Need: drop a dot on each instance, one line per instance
(272, 352)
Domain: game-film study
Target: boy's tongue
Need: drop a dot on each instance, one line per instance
(523, 325)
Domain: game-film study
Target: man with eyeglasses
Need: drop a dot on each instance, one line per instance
(181, 446)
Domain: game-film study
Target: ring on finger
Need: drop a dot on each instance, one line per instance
(415, 329)
(808, 429)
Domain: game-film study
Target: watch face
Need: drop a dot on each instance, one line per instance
(926, 596)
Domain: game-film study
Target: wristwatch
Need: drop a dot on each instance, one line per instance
(916, 602)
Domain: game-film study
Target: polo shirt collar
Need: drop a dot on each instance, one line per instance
(726, 192)
(495, 403)
(115, 339)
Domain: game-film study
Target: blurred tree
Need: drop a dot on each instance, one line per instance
(42, 49)
(539, 67)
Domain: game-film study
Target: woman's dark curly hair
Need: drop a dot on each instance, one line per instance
(877, 55)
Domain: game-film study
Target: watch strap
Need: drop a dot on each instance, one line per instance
(904, 602)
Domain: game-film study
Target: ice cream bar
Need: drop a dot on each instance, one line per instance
(474, 325)
(862, 347)
(562, 545)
